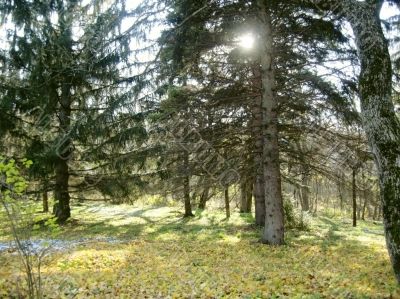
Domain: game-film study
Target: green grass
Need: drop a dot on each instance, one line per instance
(208, 256)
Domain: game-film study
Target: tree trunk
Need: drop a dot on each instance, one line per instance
(340, 193)
(259, 199)
(304, 188)
(204, 198)
(245, 203)
(258, 189)
(249, 197)
(365, 197)
(295, 197)
(375, 216)
(227, 207)
(364, 208)
(186, 186)
(316, 196)
(62, 208)
(64, 146)
(274, 228)
(380, 122)
(354, 197)
(243, 198)
(305, 192)
(63, 150)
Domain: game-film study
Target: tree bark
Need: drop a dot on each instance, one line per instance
(304, 188)
(354, 196)
(227, 207)
(365, 197)
(274, 220)
(204, 198)
(243, 198)
(340, 193)
(186, 186)
(259, 199)
(364, 208)
(63, 150)
(249, 197)
(316, 196)
(258, 189)
(305, 191)
(380, 122)
(245, 203)
(64, 146)
(375, 216)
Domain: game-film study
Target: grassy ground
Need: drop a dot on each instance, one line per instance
(165, 256)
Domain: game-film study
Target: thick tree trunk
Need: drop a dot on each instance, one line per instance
(354, 196)
(259, 199)
(258, 188)
(380, 122)
(227, 206)
(61, 195)
(63, 150)
(274, 220)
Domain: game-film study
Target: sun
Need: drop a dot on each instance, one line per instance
(246, 41)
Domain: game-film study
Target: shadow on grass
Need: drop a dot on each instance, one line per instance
(325, 263)
(248, 217)
(173, 223)
(349, 267)
(331, 238)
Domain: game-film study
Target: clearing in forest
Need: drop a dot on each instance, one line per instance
(120, 251)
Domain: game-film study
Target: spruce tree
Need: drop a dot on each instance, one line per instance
(71, 87)
(206, 52)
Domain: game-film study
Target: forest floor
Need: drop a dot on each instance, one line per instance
(121, 251)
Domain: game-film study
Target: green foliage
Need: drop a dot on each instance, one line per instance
(51, 70)
(294, 217)
(46, 227)
(82, 87)
(11, 178)
(20, 218)
(17, 211)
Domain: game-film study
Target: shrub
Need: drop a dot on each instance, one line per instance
(294, 217)
(19, 213)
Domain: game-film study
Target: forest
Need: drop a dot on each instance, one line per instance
(199, 149)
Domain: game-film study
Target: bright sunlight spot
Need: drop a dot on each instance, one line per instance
(246, 41)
